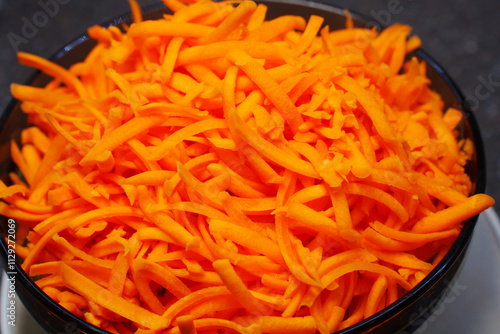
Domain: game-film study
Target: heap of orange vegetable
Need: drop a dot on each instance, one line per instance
(213, 170)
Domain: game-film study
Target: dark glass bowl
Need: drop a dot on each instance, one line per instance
(403, 316)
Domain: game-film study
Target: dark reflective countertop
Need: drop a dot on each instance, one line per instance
(462, 35)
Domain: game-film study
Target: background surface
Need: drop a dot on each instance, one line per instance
(462, 35)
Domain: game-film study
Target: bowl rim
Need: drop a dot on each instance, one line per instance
(431, 279)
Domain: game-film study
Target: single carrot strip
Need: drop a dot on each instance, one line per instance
(374, 239)
(149, 178)
(402, 259)
(309, 194)
(309, 218)
(174, 5)
(312, 28)
(438, 190)
(234, 284)
(413, 43)
(12, 190)
(9, 211)
(334, 261)
(247, 238)
(336, 317)
(454, 215)
(452, 118)
(265, 172)
(274, 282)
(410, 236)
(372, 267)
(256, 206)
(126, 131)
(283, 236)
(216, 50)
(153, 233)
(104, 213)
(136, 11)
(29, 206)
(230, 23)
(20, 161)
(222, 303)
(376, 293)
(273, 324)
(93, 292)
(180, 135)
(40, 95)
(45, 268)
(341, 209)
(195, 11)
(54, 70)
(229, 89)
(66, 296)
(170, 58)
(81, 254)
(258, 17)
(276, 27)
(194, 298)
(166, 28)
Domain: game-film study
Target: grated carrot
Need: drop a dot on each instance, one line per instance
(216, 171)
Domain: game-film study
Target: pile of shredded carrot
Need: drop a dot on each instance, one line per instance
(214, 170)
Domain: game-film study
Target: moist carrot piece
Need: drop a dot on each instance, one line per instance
(112, 302)
(54, 70)
(219, 49)
(165, 28)
(231, 23)
(246, 237)
(453, 215)
(236, 286)
(136, 11)
(120, 135)
(278, 26)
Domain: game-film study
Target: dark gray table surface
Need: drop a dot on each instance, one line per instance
(462, 35)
